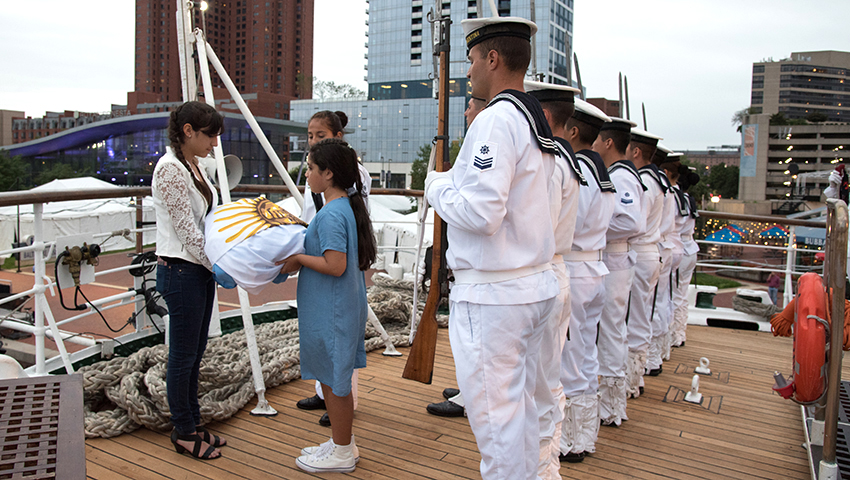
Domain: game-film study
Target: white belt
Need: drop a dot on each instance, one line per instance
(557, 259)
(687, 237)
(645, 247)
(585, 256)
(621, 247)
(496, 276)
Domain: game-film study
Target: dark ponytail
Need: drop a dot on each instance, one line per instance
(335, 154)
(201, 117)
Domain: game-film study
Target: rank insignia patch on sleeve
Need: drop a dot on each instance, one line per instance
(626, 199)
(485, 154)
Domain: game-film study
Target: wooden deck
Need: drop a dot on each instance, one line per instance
(742, 430)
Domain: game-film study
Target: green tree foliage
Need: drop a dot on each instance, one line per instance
(723, 180)
(60, 170)
(329, 90)
(781, 119)
(816, 117)
(418, 170)
(738, 117)
(16, 173)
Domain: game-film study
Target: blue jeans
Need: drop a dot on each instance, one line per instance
(773, 293)
(188, 290)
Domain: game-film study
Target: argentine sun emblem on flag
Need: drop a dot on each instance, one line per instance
(245, 238)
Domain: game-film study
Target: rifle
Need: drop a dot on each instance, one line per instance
(420, 361)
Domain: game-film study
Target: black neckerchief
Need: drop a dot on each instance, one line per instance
(653, 171)
(570, 157)
(681, 201)
(530, 107)
(628, 165)
(692, 206)
(597, 168)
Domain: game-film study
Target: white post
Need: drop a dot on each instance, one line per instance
(184, 46)
(38, 256)
(263, 407)
(789, 266)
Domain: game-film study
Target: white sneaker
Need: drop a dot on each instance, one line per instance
(311, 450)
(328, 457)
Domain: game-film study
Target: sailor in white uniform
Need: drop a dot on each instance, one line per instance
(640, 152)
(501, 244)
(670, 248)
(674, 169)
(557, 102)
(579, 364)
(626, 223)
(687, 178)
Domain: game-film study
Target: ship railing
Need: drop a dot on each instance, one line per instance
(790, 268)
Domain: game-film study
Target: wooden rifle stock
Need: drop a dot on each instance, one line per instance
(420, 360)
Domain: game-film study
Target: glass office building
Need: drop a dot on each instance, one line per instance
(399, 113)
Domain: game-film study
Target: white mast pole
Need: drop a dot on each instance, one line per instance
(184, 46)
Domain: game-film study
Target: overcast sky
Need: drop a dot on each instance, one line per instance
(689, 61)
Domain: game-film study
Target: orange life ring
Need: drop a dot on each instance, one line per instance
(809, 339)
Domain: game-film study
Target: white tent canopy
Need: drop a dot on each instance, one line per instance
(78, 216)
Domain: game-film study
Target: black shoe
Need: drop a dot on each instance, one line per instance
(325, 421)
(445, 409)
(311, 403)
(640, 389)
(655, 372)
(572, 457)
(612, 424)
(450, 392)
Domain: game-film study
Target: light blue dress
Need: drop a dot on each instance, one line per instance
(332, 311)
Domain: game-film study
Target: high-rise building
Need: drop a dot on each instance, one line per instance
(805, 83)
(265, 46)
(399, 114)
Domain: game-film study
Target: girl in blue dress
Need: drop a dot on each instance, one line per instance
(332, 309)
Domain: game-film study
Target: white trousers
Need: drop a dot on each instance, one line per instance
(549, 395)
(661, 311)
(613, 344)
(496, 349)
(579, 361)
(639, 326)
(680, 298)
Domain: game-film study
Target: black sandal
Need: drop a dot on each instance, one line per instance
(208, 437)
(196, 450)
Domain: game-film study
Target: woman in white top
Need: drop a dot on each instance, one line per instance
(183, 195)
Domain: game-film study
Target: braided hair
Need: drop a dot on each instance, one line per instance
(203, 118)
(338, 156)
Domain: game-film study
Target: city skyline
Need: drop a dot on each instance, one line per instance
(691, 64)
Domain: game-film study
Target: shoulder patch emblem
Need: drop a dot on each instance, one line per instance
(626, 199)
(484, 155)
(485, 150)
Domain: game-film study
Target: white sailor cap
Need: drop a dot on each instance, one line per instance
(550, 92)
(661, 154)
(589, 114)
(476, 30)
(619, 124)
(642, 136)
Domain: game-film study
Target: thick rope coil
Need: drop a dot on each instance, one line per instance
(125, 393)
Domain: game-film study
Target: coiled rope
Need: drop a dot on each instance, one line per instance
(125, 393)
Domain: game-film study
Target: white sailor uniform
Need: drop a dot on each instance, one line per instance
(686, 271)
(667, 247)
(626, 223)
(501, 244)
(579, 363)
(564, 187)
(647, 269)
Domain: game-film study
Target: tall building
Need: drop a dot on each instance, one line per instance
(399, 114)
(265, 46)
(806, 82)
(6, 117)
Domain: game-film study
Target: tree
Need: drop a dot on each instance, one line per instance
(723, 180)
(58, 171)
(418, 170)
(816, 117)
(16, 173)
(738, 117)
(329, 90)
